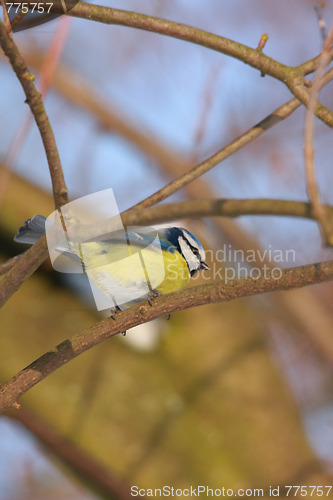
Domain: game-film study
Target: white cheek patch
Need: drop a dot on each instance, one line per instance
(194, 244)
(192, 260)
(202, 255)
(191, 240)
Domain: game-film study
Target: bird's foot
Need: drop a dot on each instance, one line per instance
(152, 294)
(114, 311)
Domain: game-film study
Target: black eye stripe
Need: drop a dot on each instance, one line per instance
(195, 250)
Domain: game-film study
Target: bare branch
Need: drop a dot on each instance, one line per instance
(292, 77)
(26, 265)
(296, 277)
(8, 264)
(8, 287)
(36, 105)
(18, 272)
(220, 207)
(108, 15)
(276, 117)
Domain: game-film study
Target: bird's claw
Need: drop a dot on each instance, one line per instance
(152, 294)
(114, 311)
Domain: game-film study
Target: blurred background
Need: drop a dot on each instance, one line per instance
(238, 394)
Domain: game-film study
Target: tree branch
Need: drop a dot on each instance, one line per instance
(108, 15)
(275, 117)
(292, 77)
(18, 272)
(23, 268)
(296, 277)
(281, 113)
(12, 283)
(8, 264)
(35, 102)
(220, 207)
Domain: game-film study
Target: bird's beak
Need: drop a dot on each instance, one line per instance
(204, 266)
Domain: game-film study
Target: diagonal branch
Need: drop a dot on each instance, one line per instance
(37, 255)
(221, 291)
(12, 282)
(277, 116)
(23, 268)
(35, 102)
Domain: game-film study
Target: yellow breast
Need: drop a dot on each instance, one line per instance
(176, 273)
(117, 268)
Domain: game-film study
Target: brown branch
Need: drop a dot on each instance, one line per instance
(296, 277)
(296, 86)
(8, 264)
(292, 77)
(276, 117)
(201, 208)
(35, 102)
(220, 207)
(26, 265)
(281, 113)
(18, 272)
(8, 287)
(108, 15)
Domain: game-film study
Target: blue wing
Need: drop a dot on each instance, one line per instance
(140, 240)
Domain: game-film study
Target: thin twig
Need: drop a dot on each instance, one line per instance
(312, 189)
(34, 100)
(292, 278)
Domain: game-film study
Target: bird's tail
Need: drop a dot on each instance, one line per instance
(32, 230)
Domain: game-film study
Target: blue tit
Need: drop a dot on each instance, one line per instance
(127, 280)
